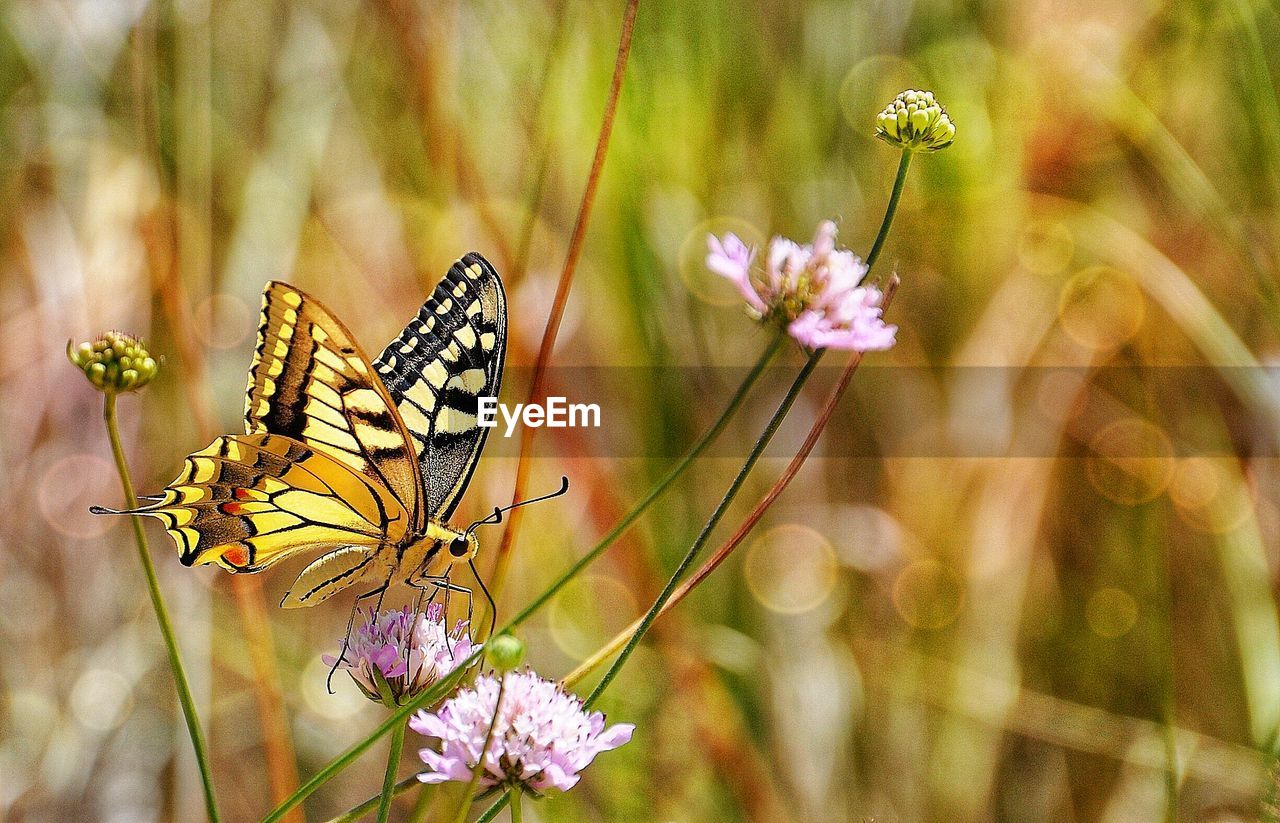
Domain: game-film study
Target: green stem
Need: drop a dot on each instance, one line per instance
(442, 687)
(890, 210)
(516, 816)
(661, 486)
(709, 527)
(398, 717)
(389, 779)
(467, 796)
(492, 812)
(372, 803)
(162, 613)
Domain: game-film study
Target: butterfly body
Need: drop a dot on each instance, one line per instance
(363, 461)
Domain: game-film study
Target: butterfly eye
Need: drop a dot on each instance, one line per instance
(459, 547)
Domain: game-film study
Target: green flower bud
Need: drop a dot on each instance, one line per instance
(505, 652)
(915, 121)
(115, 362)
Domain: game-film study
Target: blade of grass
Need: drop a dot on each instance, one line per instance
(502, 558)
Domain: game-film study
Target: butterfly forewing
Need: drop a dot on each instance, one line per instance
(450, 355)
(248, 501)
(310, 381)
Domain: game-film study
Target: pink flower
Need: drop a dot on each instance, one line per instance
(853, 324)
(542, 739)
(813, 291)
(411, 651)
(731, 258)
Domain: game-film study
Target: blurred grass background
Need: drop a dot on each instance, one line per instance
(923, 635)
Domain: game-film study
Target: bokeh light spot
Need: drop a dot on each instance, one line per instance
(705, 284)
(69, 487)
(1209, 494)
(101, 699)
(1101, 307)
(872, 83)
(1131, 462)
(928, 595)
(588, 611)
(1111, 612)
(790, 569)
(1046, 247)
(223, 321)
(346, 701)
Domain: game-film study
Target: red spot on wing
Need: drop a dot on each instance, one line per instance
(242, 494)
(231, 508)
(236, 556)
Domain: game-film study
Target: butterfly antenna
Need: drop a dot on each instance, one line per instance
(493, 607)
(496, 517)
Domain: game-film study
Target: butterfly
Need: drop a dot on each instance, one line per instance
(362, 460)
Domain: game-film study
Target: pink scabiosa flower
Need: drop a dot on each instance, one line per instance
(409, 650)
(543, 737)
(812, 291)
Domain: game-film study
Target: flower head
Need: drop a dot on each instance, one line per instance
(115, 362)
(409, 650)
(915, 121)
(813, 290)
(542, 739)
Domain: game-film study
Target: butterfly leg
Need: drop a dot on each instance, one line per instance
(439, 584)
(351, 619)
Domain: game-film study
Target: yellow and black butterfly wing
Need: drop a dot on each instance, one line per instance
(450, 355)
(248, 501)
(310, 381)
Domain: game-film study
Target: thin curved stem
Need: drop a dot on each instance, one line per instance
(758, 449)
(162, 613)
(389, 779)
(890, 210)
(498, 805)
(661, 486)
(441, 688)
(467, 797)
(502, 560)
(749, 522)
(372, 803)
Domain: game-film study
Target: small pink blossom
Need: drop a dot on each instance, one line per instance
(411, 651)
(542, 740)
(731, 258)
(814, 290)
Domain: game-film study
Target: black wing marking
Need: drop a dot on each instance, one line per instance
(448, 357)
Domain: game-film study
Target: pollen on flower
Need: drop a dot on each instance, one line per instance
(542, 739)
(115, 362)
(916, 121)
(814, 291)
(407, 649)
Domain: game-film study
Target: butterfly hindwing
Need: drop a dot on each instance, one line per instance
(311, 382)
(248, 501)
(450, 355)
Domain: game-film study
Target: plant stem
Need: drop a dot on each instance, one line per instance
(709, 527)
(718, 556)
(498, 805)
(890, 210)
(389, 779)
(372, 803)
(502, 559)
(465, 805)
(661, 486)
(516, 816)
(162, 613)
(440, 689)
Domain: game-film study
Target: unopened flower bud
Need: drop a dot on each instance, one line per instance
(915, 121)
(115, 362)
(505, 652)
